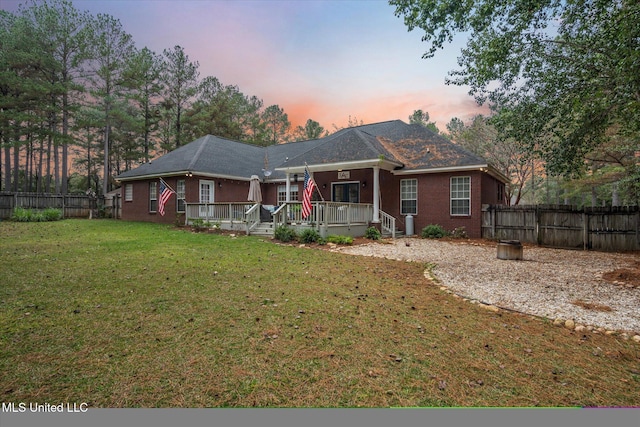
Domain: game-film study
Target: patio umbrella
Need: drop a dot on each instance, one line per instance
(255, 194)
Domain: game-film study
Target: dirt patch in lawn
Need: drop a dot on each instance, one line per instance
(628, 277)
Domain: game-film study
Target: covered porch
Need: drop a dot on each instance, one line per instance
(350, 219)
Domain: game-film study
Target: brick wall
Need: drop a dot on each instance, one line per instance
(433, 196)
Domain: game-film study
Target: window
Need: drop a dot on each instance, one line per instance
(282, 193)
(153, 196)
(180, 195)
(461, 195)
(128, 192)
(408, 196)
(346, 192)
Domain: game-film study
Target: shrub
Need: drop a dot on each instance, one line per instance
(284, 233)
(459, 233)
(21, 215)
(310, 235)
(372, 233)
(340, 240)
(28, 215)
(433, 231)
(197, 224)
(52, 214)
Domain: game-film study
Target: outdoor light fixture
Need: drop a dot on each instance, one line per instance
(189, 174)
(364, 184)
(324, 186)
(219, 184)
(295, 177)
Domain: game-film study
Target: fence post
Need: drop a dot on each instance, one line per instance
(63, 206)
(493, 218)
(585, 230)
(536, 225)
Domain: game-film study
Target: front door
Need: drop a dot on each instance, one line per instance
(346, 192)
(206, 196)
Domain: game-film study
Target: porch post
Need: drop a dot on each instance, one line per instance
(376, 194)
(288, 189)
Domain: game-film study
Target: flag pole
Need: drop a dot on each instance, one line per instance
(168, 186)
(314, 181)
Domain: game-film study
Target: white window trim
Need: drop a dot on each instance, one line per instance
(451, 199)
(180, 195)
(416, 199)
(293, 191)
(153, 195)
(128, 192)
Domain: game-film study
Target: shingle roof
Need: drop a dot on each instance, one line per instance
(407, 147)
(419, 148)
(210, 155)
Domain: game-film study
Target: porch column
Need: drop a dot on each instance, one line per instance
(376, 194)
(288, 189)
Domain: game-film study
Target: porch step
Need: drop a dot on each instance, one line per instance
(399, 233)
(262, 229)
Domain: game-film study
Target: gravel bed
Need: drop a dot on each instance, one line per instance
(551, 283)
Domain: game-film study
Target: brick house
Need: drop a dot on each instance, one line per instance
(395, 169)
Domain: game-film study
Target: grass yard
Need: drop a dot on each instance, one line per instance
(123, 314)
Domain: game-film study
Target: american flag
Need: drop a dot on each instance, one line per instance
(165, 194)
(309, 185)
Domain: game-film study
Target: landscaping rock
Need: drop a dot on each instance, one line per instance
(636, 338)
(569, 324)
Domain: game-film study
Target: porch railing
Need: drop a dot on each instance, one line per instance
(324, 213)
(252, 217)
(214, 212)
(388, 224)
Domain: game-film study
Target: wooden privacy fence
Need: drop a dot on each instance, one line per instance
(598, 228)
(71, 205)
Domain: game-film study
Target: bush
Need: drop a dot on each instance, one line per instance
(433, 231)
(373, 233)
(28, 215)
(459, 233)
(197, 224)
(52, 214)
(21, 215)
(340, 240)
(310, 236)
(285, 234)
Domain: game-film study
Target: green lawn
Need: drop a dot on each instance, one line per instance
(122, 314)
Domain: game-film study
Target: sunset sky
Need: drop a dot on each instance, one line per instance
(320, 60)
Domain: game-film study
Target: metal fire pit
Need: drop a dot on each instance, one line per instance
(510, 249)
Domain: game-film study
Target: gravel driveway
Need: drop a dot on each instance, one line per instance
(551, 283)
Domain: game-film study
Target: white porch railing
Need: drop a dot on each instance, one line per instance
(324, 213)
(252, 217)
(388, 224)
(215, 212)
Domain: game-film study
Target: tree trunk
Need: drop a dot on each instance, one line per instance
(615, 197)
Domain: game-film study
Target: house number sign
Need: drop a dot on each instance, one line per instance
(344, 174)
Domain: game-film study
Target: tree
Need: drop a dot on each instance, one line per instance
(142, 78)
(112, 46)
(513, 160)
(561, 75)
(223, 110)
(311, 130)
(422, 118)
(276, 123)
(351, 122)
(25, 91)
(64, 34)
(181, 85)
